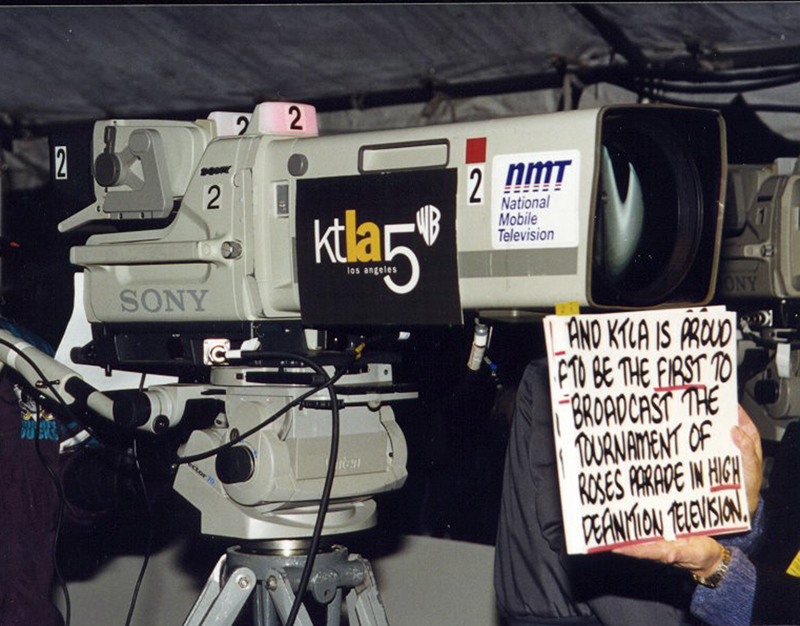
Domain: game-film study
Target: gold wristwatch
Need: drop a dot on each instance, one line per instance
(715, 579)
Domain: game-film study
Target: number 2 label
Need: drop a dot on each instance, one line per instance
(475, 184)
(60, 163)
(212, 195)
(287, 118)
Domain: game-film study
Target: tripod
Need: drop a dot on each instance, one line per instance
(270, 572)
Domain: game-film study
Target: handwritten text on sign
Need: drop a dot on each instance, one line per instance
(643, 407)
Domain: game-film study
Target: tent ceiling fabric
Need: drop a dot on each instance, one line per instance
(65, 63)
(78, 62)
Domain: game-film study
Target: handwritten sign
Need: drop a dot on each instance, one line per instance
(643, 407)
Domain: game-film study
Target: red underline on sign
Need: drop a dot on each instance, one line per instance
(678, 388)
(623, 544)
(724, 487)
(713, 531)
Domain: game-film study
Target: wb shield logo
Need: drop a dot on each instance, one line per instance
(428, 218)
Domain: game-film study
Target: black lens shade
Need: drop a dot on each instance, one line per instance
(657, 208)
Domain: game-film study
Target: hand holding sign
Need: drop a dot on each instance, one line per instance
(643, 407)
(747, 439)
(701, 555)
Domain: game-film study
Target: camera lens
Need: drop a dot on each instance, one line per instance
(651, 218)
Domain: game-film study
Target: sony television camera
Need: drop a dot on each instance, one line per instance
(760, 277)
(226, 245)
(275, 273)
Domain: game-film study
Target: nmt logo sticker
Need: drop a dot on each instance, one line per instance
(535, 199)
(378, 249)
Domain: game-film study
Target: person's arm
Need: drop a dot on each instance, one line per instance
(731, 601)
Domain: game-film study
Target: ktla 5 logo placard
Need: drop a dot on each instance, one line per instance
(353, 243)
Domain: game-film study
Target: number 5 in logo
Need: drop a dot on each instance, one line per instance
(428, 218)
(393, 252)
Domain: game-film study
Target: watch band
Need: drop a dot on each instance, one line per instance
(715, 579)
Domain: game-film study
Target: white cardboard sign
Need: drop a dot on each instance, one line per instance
(643, 407)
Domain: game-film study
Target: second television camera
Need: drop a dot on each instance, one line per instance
(760, 277)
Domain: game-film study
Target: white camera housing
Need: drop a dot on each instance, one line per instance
(619, 207)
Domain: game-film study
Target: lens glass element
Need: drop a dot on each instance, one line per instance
(650, 211)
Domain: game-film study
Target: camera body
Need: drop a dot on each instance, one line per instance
(617, 207)
(760, 278)
(762, 233)
(235, 251)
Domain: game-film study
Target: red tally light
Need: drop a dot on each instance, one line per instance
(476, 150)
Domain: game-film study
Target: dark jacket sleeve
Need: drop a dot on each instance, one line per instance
(534, 576)
(530, 577)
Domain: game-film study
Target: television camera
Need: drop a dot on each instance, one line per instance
(760, 277)
(256, 261)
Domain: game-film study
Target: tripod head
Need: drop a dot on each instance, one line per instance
(268, 484)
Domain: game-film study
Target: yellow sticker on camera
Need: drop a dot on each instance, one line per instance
(794, 568)
(568, 308)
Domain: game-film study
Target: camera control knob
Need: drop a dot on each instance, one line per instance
(767, 391)
(235, 465)
(107, 169)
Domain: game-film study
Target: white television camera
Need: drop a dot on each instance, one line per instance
(245, 228)
(760, 276)
(613, 208)
(250, 258)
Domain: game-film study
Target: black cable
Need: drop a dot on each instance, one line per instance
(326, 493)
(325, 496)
(679, 87)
(324, 502)
(149, 546)
(329, 381)
(59, 517)
(730, 76)
(685, 75)
(56, 395)
(679, 102)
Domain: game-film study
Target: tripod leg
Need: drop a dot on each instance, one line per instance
(280, 591)
(218, 604)
(334, 616)
(264, 613)
(364, 604)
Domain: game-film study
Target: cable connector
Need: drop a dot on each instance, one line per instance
(480, 342)
(249, 345)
